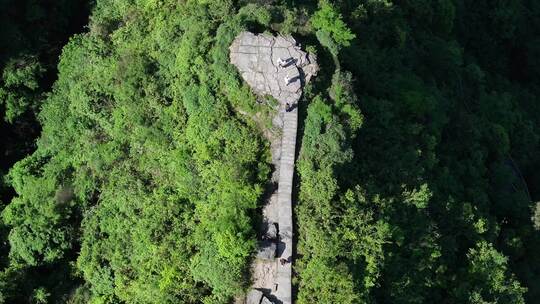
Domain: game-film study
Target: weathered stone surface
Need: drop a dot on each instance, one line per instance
(272, 232)
(285, 205)
(267, 250)
(256, 57)
(265, 300)
(254, 296)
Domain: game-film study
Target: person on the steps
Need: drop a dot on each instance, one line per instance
(282, 63)
(287, 107)
(287, 80)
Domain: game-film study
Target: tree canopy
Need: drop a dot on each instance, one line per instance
(134, 171)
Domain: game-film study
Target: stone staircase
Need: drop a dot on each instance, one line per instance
(288, 148)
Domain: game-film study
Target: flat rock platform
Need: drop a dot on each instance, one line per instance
(257, 58)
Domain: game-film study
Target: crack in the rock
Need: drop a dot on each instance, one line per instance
(272, 54)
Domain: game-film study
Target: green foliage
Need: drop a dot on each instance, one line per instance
(327, 284)
(32, 34)
(257, 13)
(40, 296)
(140, 254)
(20, 86)
(326, 40)
(488, 280)
(341, 238)
(47, 234)
(333, 31)
(418, 198)
(417, 166)
(147, 164)
(289, 24)
(345, 100)
(434, 127)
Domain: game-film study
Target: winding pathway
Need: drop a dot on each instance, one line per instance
(257, 57)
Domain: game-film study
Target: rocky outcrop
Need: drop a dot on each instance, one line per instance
(271, 232)
(258, 58)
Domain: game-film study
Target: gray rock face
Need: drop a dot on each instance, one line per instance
(272, 232)
(258, 58)
(267, 250)
(254, 297)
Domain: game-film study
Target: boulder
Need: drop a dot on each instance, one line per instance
(267, 250)
(272, 232)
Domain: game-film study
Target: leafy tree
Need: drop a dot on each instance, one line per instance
(332, 32)
(46, 235)
(20, 86)
(328, 284)
(327, 19)
(488, 279)
(40, 296)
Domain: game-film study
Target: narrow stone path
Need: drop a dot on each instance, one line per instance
(285, 205)
(276, 66)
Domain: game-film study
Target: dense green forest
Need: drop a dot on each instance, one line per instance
(133, 171)
(32, 34)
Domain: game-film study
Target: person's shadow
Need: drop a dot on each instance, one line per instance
(268, 294)
(288, 62)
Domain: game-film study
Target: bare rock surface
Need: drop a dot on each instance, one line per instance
(257, 57)
(271, 231)
(254, 296)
